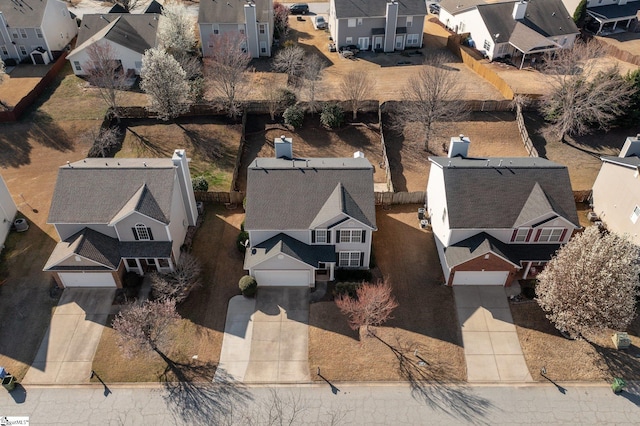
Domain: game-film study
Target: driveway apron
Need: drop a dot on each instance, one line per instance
(66, 353)
(491, 346)
(278, 332)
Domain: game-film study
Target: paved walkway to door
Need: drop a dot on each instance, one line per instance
(267, 341)
(67, 349)
(491, 344)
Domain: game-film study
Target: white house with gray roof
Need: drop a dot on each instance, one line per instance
(251, 20)
(496, 219)
(616, 191)
(129, 36)
(307, 216)
(377, 25)
(515, 28)
(42, 26)
(117, 215)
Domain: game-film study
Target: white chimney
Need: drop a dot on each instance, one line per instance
(459, 146)
(184, 179)
(284, 147)
(519, 10)
(631, 147)
(358, 154)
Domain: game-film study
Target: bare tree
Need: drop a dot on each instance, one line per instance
(372, 306)
(164, 81)
(591, 284)
(226, 70)
(176, 29)
(280, 20)
(290, 60)
(103, 142)
(356, 86)
(582, 95)
(144, 328)
(313, 66)
(177, 285)
(272, 92)
(104, 71)
(429, 97)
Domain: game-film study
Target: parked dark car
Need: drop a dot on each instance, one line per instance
(299, 9)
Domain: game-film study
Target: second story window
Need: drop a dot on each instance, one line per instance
(550, 235)
(321, 236)
(39, 32)
(351, 236)
(23, 33)
(520, 235)
(142, 232)
(262, 28)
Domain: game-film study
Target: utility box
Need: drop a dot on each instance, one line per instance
(621, 340)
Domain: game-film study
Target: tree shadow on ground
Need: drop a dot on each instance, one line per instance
(192, 396)
(394, 141)
(427, 385)
(621, 363)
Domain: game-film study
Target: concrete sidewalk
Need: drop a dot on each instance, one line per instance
(67, 349)
(491, 346)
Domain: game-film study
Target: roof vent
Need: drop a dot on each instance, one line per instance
(500, 163)
(488, 161)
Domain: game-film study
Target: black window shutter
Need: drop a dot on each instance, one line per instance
(150, 234)
(364, 236)
(135, 233)
(361, 258)
(328, 236)
(313, 236)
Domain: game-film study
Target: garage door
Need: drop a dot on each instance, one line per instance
(282, 278)
(480, 277)
(87, 279)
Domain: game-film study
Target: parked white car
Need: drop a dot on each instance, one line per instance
(319, 23)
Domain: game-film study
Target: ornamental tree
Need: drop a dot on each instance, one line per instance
(372, 306)
(165, 83)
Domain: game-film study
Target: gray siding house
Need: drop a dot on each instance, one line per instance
(377, 24)
(307, 216)
(252, 20)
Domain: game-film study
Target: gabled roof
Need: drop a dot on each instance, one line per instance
(483, 243)
(498, 193)
(631, 162)
(284, 244)
(154, 7)
(231, 11)
(548, 18)
(377, 8)
(89, 244)
(96, 190)
(23, 13)
(134, 31)
(291, 194)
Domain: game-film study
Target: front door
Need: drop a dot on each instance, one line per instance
(363, 43)
(400, 42)
(377, 42)
(38, 59)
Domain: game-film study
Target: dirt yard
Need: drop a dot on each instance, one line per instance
(627, 41)
(425, 320)
(573, 360)
(388, 75)
(211, 142)
(313, 140)
(492, 134)
(201, 330)
(20, 81)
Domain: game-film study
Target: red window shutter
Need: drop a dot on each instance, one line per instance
(537, 235)
(529, 235)
(564, 232)
(513, 235)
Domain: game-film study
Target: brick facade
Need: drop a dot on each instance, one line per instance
(493, 263)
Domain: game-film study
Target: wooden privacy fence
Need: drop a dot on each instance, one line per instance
(233, 197)
(385, 159)
(388, 198)
(582, 196)
(524, 134)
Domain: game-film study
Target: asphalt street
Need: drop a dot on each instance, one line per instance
(340, 404)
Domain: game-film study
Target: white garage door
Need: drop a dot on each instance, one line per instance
(87, 279)
(282, 278)
(480, 277)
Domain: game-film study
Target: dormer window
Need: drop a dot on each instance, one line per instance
(142, 232)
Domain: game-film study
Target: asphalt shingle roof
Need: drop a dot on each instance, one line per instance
(615, 11)
(377, 8)
(500, 193)
(230, 11)
(282, 197)
(90, 191)
(282, 243)
(631, 162)
(23, 13)
(137, 31)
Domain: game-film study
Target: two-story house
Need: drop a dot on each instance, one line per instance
(616, 191)
(378, 25)
(251, 20)
(129, 36)
(514, 28)
(307, 216)
(34, 30)
(8, 212)
(119, 214)
(496, 219)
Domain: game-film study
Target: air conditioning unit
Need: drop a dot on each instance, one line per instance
(592, 216)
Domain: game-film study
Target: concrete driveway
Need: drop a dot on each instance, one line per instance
(491, 346)
(266, 340)
(67, 349)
